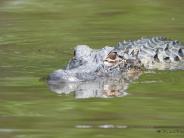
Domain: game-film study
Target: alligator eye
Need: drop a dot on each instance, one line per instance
(112, 55)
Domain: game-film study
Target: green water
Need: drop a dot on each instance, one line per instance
(37, 37)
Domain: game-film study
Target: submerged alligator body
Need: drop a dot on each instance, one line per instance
(126, 57)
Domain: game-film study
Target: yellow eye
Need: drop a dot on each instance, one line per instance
(112, 55)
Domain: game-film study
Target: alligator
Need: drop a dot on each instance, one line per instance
(130, 56)
(107, 72)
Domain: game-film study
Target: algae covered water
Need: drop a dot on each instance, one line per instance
(38, 37)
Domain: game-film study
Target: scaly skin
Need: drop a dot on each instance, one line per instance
(128, 56)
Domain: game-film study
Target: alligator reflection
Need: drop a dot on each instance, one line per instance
(104, 88)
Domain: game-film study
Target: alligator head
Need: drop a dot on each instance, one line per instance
(90, 64)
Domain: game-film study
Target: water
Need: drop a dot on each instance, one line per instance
(37, 37)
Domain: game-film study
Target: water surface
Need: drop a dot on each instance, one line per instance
(37, 37)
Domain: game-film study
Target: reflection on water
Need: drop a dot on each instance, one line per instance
(102, 88)
(121, 126)
(105, 126)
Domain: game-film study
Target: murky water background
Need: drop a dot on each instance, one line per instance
(37, 37)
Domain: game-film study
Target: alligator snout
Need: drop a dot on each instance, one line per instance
(62, 76)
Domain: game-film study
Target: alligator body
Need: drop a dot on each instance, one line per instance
(128, 56)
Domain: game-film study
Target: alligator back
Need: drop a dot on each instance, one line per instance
(153, 53)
